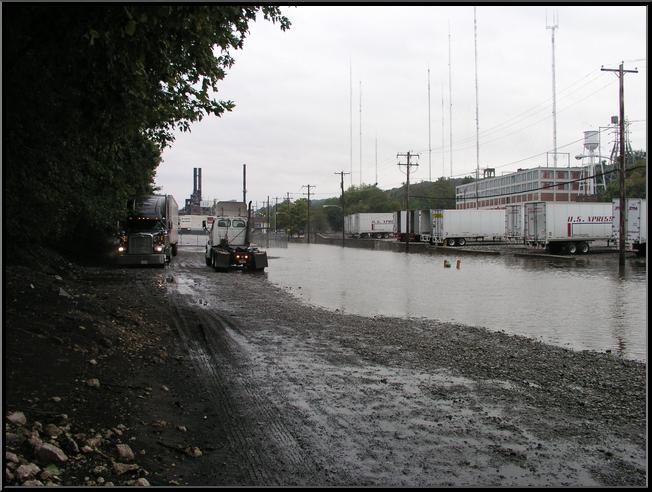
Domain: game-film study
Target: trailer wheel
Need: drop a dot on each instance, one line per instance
(450, 241)
(583, 247)
(461, 241)
(571, 248)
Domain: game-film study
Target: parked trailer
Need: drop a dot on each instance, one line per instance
(418, 226)
(514, 223)
(456, 227)
(371, 224)
(567, 227)
(188, 223)
(635, 224)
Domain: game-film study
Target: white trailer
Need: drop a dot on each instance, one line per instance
(514, 223)
(420, 223)
(567, 227)
(456, 227)
(635, 224)
(376, 225)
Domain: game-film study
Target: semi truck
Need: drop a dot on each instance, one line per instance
(455, 227)
(149, 235)
(635, 224)
(363, 225)
(567, 228)
(228, 244)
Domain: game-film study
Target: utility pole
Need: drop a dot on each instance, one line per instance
(477, 114)
(360, 133)
(268, 223)
(620, 72)
(289, 216)
(408, 164)
(450, 100)
(342, 173)
(308, 186)
(275, 214)
(429, 134)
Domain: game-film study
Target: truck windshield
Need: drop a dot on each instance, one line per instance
(237, 223)
(141, 225)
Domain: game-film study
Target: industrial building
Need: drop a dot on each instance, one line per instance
(543, 183)
(525, 185)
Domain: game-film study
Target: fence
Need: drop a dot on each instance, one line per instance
(262, 240)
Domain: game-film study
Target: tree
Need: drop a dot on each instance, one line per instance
(635, 180)
(93, 93)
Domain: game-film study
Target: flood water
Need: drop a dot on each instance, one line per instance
(582, 304)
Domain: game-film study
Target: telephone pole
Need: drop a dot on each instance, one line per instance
(620, 72)
(342, 173)
(408, 165)
(308, 186)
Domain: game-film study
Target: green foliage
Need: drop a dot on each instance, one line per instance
(93, 93)
(635, 180)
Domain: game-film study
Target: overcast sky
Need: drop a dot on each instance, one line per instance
(303, 97)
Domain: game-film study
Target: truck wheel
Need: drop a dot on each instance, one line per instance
(571, 248)
(461, 241)
(174, 250)
(583, 247)
(208, 259)
(450, 241)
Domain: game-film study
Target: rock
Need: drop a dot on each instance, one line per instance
(56, 399)
(92, 362)
(63, 293)
(122, 468)
(53, 430)
(49, 453)
(8, 475)
(94, 442)
(125, 452)
(142, 482)
(17, 418)
(86, 449)
(93, 383)
(23, 472)
(165, 388)
(100, 469)
(182, 428)
(69, 445)
(9, 456)
(33, 483)
(195, 452)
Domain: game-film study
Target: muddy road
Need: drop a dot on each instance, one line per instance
(225, 379)
(305, 396)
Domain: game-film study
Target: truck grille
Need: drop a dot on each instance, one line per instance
(140, 244)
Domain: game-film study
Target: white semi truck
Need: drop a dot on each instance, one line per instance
(363, 225)
(635, 224)
(456, 227)
(149, 236)
(567, 227)
(228, 244)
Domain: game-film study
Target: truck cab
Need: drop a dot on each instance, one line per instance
(149, 234)
(228, 244)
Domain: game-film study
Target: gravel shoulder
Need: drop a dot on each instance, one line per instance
(224, 379)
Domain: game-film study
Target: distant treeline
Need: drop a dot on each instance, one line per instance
(92, 95)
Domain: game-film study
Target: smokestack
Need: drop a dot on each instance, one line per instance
(194, 181)
(199, 185)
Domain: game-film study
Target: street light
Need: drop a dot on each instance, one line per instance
(342, 210)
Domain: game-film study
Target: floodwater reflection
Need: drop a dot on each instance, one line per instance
(580, 304)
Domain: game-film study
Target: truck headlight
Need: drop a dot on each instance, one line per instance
(158, 248)
(121, 249)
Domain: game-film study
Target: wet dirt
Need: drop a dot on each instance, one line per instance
(275, 392)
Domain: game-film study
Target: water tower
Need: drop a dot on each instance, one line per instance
(591, 143)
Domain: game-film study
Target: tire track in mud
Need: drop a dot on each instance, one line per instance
(257, 436)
